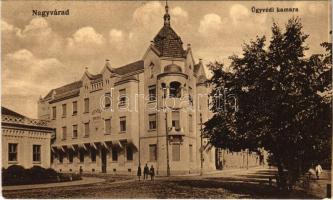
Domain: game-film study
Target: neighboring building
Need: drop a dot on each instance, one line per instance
(114, 120)
(25, 141)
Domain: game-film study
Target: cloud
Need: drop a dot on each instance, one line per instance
(24, 73)
(239, 14)
(210, 24)
(116, 35)
(86, 36)
(37, 27)
(148, 14)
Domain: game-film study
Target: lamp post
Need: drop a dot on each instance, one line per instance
(201, 149)
(167, 142)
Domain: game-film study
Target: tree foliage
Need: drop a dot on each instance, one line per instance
(284, 101)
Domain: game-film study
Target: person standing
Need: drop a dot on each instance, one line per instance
(319, 170)
(139, 172)
(152, 172)
(145, 172)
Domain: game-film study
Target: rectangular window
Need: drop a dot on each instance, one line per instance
(191, 152)
(74, 131)
(86, 105)
(54, 112)
(114, 154)
(176, 152)
(129, 153)
(122, 124)
(64, 110)
(107, 100)
(64, 133)
(152, 152)
(107, 124)
(61, 158)
(152, 121)
(86, 129)
(175, 120)
(36, 153)
(190, 123)
(93, 155)
(12, 152)
(152, 93)
(74, 107)
(81, 156)
(122, 97)
(70, 156)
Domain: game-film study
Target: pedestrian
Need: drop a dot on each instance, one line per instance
(319, 170)
(139, 172)
(145, 172)
(152, 172)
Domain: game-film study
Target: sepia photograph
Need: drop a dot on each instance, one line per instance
(166, 99)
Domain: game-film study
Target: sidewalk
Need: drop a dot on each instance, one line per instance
(84, 181)
(224, 171)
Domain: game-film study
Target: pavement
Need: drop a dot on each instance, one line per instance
(229, 183)
(84, 181)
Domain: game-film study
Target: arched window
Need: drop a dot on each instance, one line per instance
(164, 90)
(175, 89)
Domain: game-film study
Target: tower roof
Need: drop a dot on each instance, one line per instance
(167, 41)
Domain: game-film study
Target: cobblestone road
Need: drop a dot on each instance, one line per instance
(252, 183)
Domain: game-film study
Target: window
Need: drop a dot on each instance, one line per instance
(151, 70)
(191, 152)
(54, 112)
(114, 154)
(175, 120)
(122, 124)
(107, 124)
(152, 121)
(176, 152)
(175, 89)
(74, 107)
(190, 123)
(93, 155)
(122, 97)
(61, 158)
(86, 129)
(86, 105)
(152, 152)
(70, 156)
(152, 93)
(129, 153)
(12, 152)
(81, 155)
(74, 131)
(64, 110)
(36, 153)
(64, 133)
(164, 88)
(107, 100)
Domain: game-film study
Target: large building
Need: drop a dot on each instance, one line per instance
(149, 111)
(25, 141)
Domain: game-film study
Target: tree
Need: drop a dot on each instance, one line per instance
(281, 106)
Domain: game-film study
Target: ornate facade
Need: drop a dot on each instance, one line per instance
(149, 111)
(25, 141)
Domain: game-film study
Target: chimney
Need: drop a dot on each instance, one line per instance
(200, 60)
(188, 46)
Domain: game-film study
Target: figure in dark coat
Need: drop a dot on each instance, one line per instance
(145, 172)
(139, 172)
(152, 172)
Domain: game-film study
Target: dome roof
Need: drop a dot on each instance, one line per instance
(172, 68)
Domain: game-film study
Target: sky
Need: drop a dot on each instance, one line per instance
(42, 53)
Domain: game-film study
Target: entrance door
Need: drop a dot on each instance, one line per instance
(103, 159)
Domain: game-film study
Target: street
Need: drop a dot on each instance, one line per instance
(238, 183)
